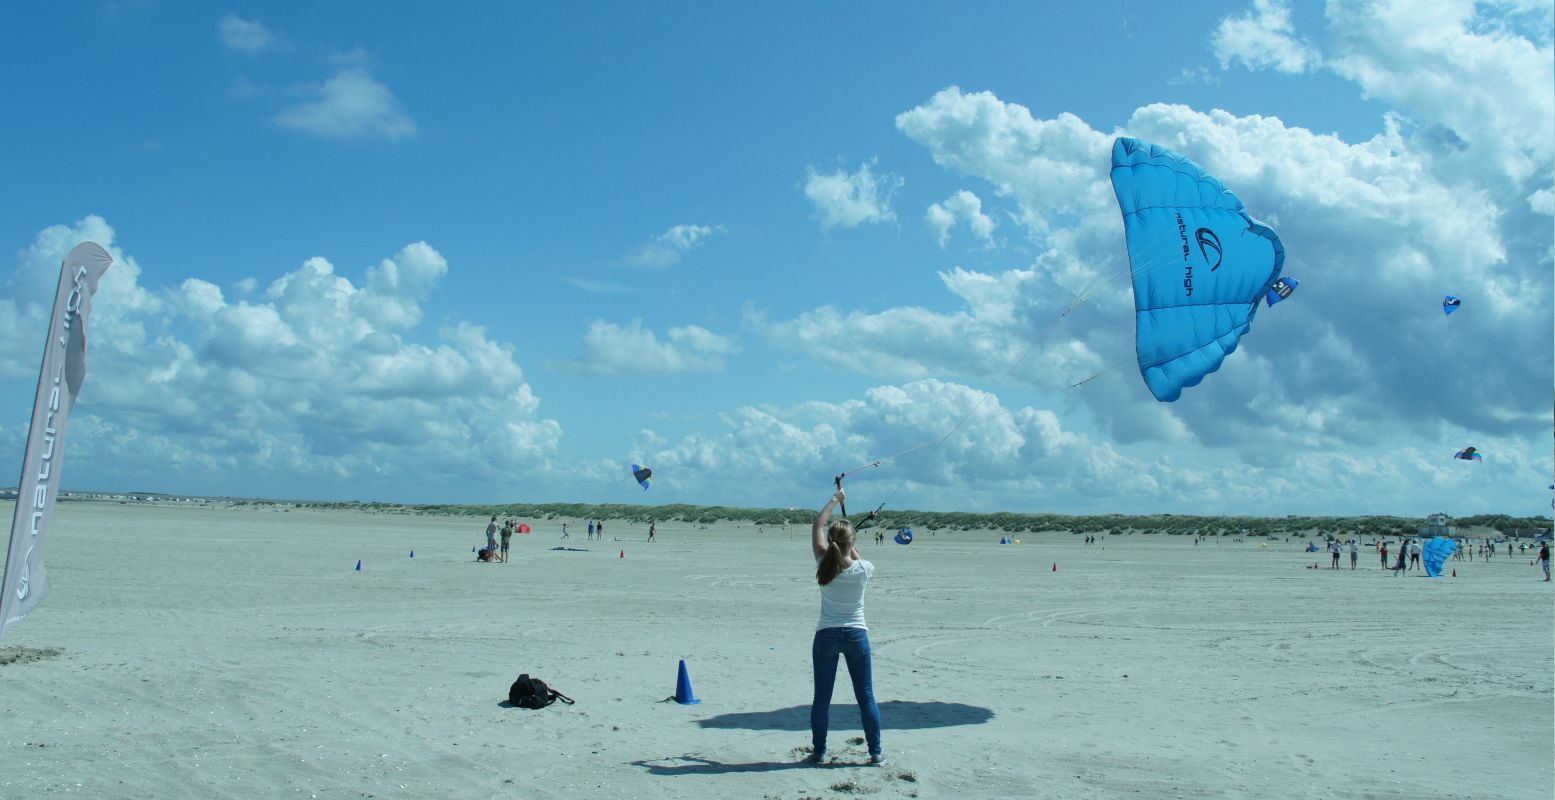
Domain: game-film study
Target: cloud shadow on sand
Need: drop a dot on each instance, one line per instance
(900, 715)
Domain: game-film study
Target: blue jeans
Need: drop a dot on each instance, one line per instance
(852, 644)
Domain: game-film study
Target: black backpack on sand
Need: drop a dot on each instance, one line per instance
(527, 692)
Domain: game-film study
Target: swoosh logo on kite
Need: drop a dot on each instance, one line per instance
(1208, 241)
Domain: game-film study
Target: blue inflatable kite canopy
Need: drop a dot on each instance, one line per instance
(905, 536)
(1435, 552)
(1450, 304)
(1200, 265)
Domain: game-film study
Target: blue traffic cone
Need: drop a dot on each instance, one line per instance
(359, 565)
(683, 693)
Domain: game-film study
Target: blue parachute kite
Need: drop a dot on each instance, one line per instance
(905, 536)
(1450, 304)
(1435, 552)
(1200, 265)
(1280, 289)
(1468, 454)
(642, 474)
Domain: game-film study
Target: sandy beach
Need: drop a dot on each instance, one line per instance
(192, 652)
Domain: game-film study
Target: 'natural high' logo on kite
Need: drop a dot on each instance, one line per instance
(1208, 241)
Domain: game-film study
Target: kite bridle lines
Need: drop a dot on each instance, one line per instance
(1086, 292)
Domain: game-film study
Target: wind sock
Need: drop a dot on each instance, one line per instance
(59, 381)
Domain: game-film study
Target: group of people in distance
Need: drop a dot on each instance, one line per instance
(494, 552)
(498, 552)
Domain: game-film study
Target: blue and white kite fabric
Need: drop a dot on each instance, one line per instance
(642, 474)
(1468, 454)
(1200, 265)
(1280, 289)
(1435, 552)
(905, 536)
(1450, 304)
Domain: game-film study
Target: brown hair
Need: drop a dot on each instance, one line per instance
(839, 542)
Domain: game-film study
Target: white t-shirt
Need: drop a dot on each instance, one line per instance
(842, 600)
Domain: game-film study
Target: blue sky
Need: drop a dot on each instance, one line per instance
(486, 253)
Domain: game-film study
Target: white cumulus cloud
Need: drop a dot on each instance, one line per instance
(631, 348)
(1264, 37)
(321, 382)
(670, 246)
(350, 105)
(245, 36)
(963, 206)
(848, 200)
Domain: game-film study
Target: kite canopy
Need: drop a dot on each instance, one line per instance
(905, 536)
(1435, 552)
(1280, 289)
(523, 527)
(1450, 304)
(1200, 265)
(1468, 454)
(642, 474)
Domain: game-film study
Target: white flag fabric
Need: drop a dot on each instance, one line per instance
(59, 381)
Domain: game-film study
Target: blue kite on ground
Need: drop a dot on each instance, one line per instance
(1435, 552)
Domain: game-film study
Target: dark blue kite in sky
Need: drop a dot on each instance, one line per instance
(1450, 304)
(1200, 265)
(642, 474)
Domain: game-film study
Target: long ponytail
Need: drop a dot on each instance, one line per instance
(839, 540)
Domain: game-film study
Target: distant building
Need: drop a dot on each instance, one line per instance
(1438, 524)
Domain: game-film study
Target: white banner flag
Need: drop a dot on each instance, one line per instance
(59, 381)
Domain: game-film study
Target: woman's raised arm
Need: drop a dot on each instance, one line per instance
(818, 530)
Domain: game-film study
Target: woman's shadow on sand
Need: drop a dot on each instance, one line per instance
(898, 715)
(894, 715)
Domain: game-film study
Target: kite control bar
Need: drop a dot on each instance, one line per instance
(837, 481)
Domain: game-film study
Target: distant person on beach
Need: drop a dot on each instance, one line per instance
(491, 534)
(1544, 558)
(599, 529)
(843, 576)
(1384, 548)
(1403, 558)
(591, 530)
(1333, 550)
(564, 530)
(1414, 554)
(1355, 552)
(507, 537)
(652, 529)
